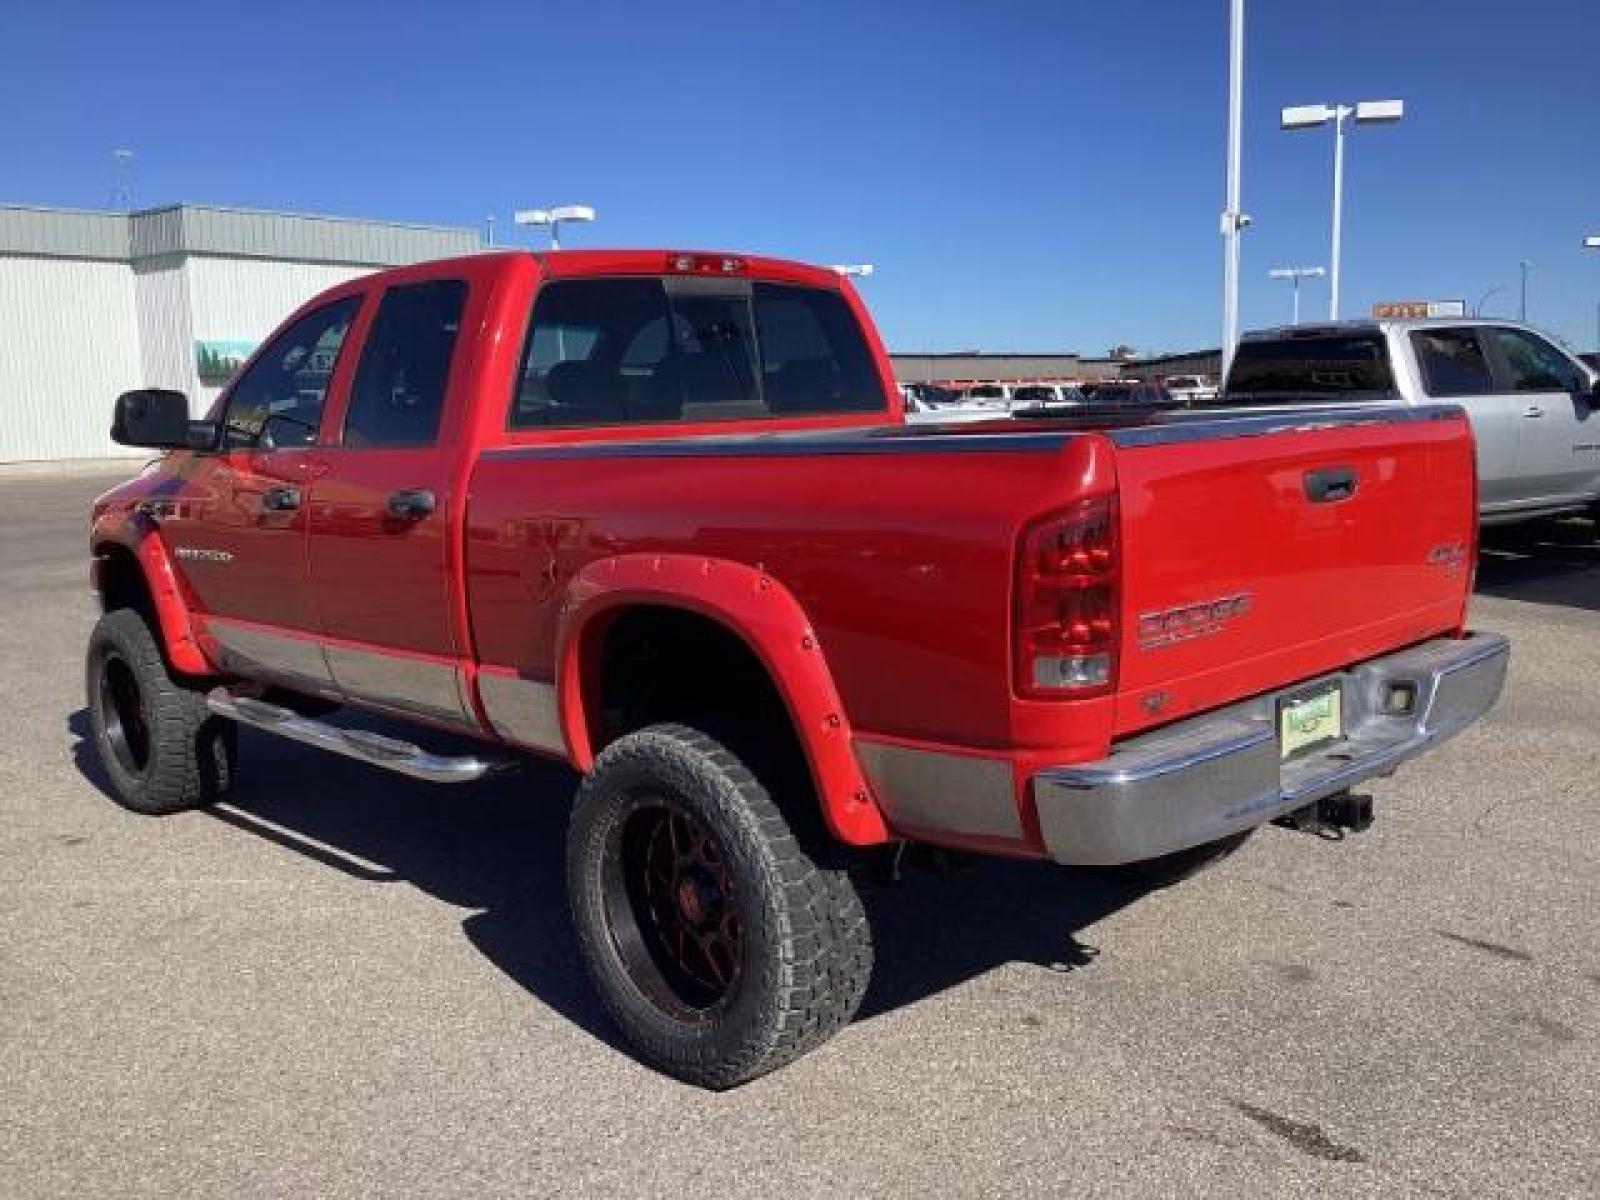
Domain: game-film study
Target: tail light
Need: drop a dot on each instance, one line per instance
(1066, 603)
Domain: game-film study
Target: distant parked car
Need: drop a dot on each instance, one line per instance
(1129, 393)
(927, 397)
(995, 395)
(1192, 389)
(1535, 408)
(1046, 395)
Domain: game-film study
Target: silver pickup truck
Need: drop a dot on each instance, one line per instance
(1535, 408)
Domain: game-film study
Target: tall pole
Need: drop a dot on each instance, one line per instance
(1522, 306)
(1340, 113)
(1296, 299)
(1232, 219)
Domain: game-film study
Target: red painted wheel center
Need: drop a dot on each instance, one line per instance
(690, 902)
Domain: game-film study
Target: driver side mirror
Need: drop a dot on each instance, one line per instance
(158, 418)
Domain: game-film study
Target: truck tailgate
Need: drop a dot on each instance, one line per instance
(1262, 551)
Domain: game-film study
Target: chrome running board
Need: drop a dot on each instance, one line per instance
(375, 749)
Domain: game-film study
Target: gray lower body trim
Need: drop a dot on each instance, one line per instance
(523, 711)
(252, 652)
(932, 791)
(404, 683)
(1222, 773)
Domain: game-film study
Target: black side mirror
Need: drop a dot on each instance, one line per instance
(157, 418)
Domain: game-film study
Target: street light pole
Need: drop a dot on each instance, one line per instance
(1477, 310)
(1233, 221)
(553, 218)
(1522, 307)
(1341, 112)
(1307, 116)
(1296, 274)
(1592, 242)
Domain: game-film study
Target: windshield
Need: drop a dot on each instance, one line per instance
(1326, 366)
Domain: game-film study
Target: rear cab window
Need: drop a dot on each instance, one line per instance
(1339, 368)
(645, 349)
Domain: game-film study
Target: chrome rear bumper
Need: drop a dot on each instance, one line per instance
(1217, 774)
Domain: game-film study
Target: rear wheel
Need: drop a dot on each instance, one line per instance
(160, 746)
(720, 948)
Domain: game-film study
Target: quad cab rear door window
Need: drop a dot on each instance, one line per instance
(634, 350)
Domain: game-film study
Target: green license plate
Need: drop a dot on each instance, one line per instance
(1310, 720)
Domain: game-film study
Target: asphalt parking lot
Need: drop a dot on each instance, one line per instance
(344, 983)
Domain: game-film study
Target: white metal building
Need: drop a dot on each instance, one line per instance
(95, 303)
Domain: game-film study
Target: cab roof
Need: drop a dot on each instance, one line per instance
(731, 264)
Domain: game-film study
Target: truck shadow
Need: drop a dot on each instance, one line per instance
(1555, 564)
(495, 847)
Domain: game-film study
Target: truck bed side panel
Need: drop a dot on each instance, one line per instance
(901, 560)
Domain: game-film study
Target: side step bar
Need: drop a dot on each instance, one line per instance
(391, 754)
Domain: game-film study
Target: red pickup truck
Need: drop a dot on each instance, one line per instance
(657, 514)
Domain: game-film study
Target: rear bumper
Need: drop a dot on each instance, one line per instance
(1221, 773)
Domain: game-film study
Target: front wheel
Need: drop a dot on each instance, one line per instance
(719, 947)
(160, 745)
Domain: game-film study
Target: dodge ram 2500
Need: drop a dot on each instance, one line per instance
(657, 514)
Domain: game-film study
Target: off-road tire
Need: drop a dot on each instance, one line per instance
(1154, 873)
(806, 944)
(182, 756)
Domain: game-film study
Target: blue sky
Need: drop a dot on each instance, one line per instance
(1025, 175)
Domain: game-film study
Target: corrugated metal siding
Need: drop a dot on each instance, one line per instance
(166, 350)
(63, 233)
(236, 233)
(245, 299)
(928, 368)
(92, 304)
(179, 229)
(156, 233)
(70, 346)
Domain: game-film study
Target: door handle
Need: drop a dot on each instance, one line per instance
(1533, 410)
(1331, 485)
(412, 504)
(280, 499)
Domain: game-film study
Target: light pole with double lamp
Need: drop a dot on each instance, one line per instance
(1309, 116)
(1297, 274)
(553, 217)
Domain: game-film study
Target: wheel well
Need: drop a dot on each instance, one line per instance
(656, 663)
(121, 584)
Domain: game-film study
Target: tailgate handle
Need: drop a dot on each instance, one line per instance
(1330, 485)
